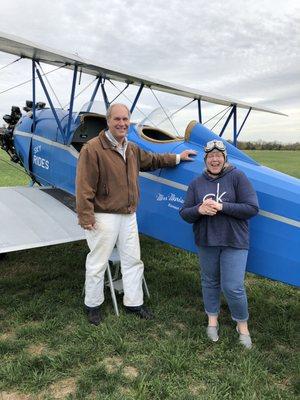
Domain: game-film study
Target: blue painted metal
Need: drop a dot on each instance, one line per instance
(33, 96)
(51, 105)
(243, 123)
(227, 121)
(275, 242)
(72, 101)
(99, 81)
(234, 125)
(275, 232)
(136, 98)
(105, 98)
(199, 111)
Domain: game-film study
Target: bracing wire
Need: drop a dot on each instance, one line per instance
(79, 93)
(30, 80)
(120, 92)
(177, 111)
(222, 116)
(126, 97)
(12, 62)
(53, 91)
(164, 111)
(227, 108)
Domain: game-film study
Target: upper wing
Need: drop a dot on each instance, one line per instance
(30, 217)
(24, 48)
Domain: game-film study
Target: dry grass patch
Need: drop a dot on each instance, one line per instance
(197, 389)
(112, 364)
(37, 349)
(61, 389)
(180, 326)
(126, 391)
(14, 396)
(130, 372)
(10, 335)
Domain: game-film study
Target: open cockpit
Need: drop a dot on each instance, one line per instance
(91, 124)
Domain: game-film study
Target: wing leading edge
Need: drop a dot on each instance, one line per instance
(34, 218)
(23, 48)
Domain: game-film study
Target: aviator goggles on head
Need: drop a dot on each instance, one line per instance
(215, 144)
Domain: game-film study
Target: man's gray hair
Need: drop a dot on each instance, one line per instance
(110, 108)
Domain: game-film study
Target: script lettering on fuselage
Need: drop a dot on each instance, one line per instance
(172, 200)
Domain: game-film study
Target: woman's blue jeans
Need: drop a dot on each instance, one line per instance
(223, 269)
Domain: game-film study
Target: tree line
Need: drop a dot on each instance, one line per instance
(262, 145)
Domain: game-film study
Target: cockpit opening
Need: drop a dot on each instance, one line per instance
(155, 134)
(90, 126)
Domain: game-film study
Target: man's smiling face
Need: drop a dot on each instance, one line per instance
(118, 122)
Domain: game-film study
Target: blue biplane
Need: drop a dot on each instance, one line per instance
(47, 142)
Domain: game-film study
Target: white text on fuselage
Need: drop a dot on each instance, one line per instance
(171, 198)
(41, 162)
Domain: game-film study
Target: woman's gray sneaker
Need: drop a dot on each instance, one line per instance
(245, 340)
(212, 333)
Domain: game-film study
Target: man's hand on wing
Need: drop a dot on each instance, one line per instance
(89, 227)
(186, 155)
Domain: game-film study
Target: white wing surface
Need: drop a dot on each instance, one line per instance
(30, 217)
(23, 48)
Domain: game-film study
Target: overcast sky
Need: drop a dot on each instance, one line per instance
(245, 50)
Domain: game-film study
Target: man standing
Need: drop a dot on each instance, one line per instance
(107, 193)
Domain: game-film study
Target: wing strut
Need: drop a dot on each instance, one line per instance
(51, 105)
(137, 97)
(245, 119)
(199, 111)
(33, 96)
(72, 100)
(104, 94)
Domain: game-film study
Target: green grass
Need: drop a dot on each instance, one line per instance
(282, 160)
(48, 350)
(11, 174)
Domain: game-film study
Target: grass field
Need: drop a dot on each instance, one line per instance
(282, 160)
(49, 351)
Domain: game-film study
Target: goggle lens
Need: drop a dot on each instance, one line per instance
(214, 144)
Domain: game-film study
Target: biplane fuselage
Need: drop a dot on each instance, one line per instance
(275, 239)
(47, 141)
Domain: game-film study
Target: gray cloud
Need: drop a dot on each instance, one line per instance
(237, 49)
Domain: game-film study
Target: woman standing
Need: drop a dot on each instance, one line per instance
(219, 203)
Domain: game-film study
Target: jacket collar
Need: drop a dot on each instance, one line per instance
(106, 143)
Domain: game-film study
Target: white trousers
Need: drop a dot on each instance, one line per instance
(120, 230)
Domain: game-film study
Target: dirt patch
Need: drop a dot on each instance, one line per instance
(112, 364)
(179, 325)
(37, 349)
(197, 389)
(70, 328)
(125, 391)
(30, 324)
(61, 389)
(130, 372)
(13, 396)
(7, 336)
